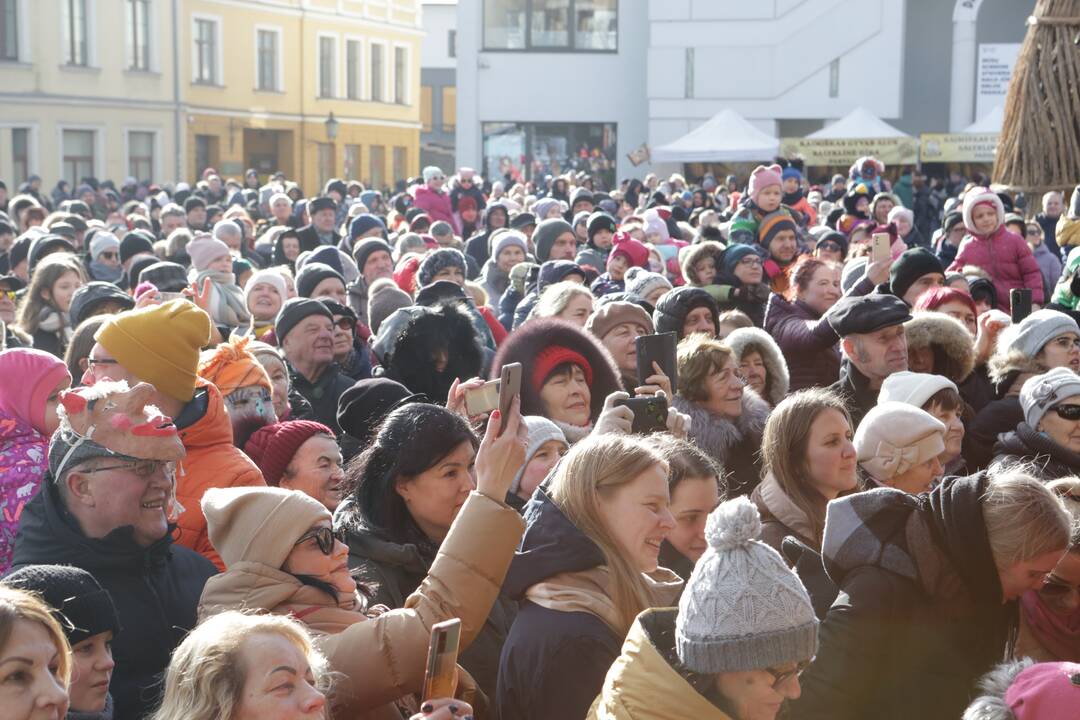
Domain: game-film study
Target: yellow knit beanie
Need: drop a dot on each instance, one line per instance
(159, 344)
(259, 524)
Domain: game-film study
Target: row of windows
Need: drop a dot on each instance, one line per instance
(546, 25)
(77, 21)
(353, 169)
(79, 154)
(388, 77)
(447, 120)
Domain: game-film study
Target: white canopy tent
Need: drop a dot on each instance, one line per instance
(860, 123)
(726, 137)
(991, 122)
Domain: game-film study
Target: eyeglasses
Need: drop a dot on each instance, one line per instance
(324, 538)
(140, 468)
(1033, 232)
(344, 323)
(830, 246)
(779, 678)
(92, 361)
(750, 261)
(1067, 411)
(1054, 589)
(9, 294)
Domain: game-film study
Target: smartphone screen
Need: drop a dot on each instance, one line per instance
(440, 679)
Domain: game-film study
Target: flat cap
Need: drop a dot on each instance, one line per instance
(861, 314)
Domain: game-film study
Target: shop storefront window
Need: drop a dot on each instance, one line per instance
(531, 151)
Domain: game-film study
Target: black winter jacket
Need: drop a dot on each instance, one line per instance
(323, 394)
(999, 416)
(156, 592)
(854, 388)
(1030, 446)
(890, 649)
(553, 663)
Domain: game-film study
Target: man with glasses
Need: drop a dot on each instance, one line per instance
(160, 345)
(434, 200)
(108, 508)
(871, 331)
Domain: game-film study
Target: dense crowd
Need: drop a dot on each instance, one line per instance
(242, 474)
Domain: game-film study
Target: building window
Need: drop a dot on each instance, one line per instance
(141, 155)
(524, 151)
(545, 25)
(401, 160)
(206, 69)
(9, 34)
(449, 109)
(325, 161)
(138, 33)
(20, 154)
(78, 149)
(451, 43)
(354, 76)
(378, 72)
(378, 167)
(206, 152)
(425, 108)
(352, 162)
(268, 52)
(401, 75)
(76, 51)
(327, 66)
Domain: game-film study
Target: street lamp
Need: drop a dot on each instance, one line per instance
(331, 127)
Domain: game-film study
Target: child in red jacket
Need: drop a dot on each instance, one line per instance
(989, 245)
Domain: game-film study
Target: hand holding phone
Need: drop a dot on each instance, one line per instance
(650, 414)
(440, 679)
(662, 350)
(881, 247)
(1020, 302)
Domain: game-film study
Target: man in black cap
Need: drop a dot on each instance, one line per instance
(913, 273)
(98, 298)
(321, 231)
(374, 260)
(871, 331)
(305, 332)
(195, 211)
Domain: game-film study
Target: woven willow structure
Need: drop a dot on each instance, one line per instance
(1039, 147)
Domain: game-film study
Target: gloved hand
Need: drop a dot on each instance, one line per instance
(615, 418)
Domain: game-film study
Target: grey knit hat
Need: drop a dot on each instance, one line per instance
(540, 430)
(438, 260)
(1037, 329)
(1042, 392)
(642, 283)
(743, 608)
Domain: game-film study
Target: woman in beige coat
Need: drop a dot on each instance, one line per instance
(281, 557)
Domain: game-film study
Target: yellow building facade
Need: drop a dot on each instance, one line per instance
(229, 84)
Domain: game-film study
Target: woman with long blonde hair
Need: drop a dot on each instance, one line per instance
(588, 564)
(35, 658)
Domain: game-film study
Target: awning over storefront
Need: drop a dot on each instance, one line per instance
(858, 133)
(726, 137)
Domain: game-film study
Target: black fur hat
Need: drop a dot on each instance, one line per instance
(443, 327)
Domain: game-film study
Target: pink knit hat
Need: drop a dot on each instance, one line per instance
(204, 250)
(762, 177)
(1045, 690)
(32, 376)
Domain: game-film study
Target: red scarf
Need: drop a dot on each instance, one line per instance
(1059, 634)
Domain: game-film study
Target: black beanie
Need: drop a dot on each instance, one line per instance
(909, 267)
(293, 311)
(166, 276)
(311, 275)
(600, 221)
(20, 249)
(133, 244)
(137, 266)
(365, 247)
(194, 202)
(88, 297)
(86, 608)
(362, 407)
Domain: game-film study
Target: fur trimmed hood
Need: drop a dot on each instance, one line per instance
(778, 381)
(695, 254)
(952, 344)
(990, 704)
(980, 195)
(525, 343)
(717, 435)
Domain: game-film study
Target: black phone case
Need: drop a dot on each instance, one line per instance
(661, 349)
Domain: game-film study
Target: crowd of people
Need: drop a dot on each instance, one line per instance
(242, 475)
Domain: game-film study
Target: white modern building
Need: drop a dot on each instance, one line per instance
(547, 85)
(438, 84)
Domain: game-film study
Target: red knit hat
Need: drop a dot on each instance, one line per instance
(272, 446)
(552, 357)
(636, 252)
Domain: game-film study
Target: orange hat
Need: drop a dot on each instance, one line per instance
(231, 366)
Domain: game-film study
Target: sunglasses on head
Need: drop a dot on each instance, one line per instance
(324, 538)
(1067, 411)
